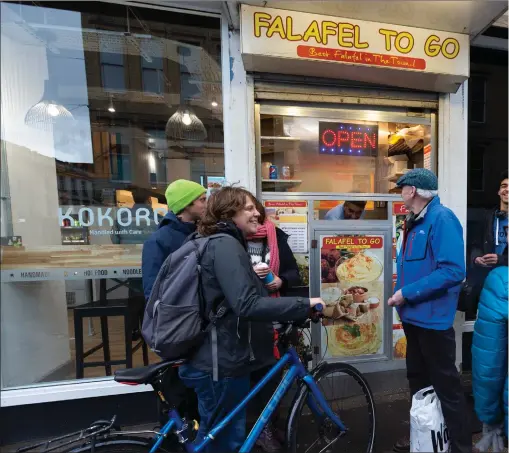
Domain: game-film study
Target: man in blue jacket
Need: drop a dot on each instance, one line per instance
(431, 268)
(186, 205)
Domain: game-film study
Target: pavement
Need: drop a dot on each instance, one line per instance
(392, 411)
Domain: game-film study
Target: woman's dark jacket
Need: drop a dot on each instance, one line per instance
(245, 341)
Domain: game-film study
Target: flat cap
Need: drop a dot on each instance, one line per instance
(420, 178)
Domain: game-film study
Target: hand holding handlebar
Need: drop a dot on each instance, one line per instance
(317, 306)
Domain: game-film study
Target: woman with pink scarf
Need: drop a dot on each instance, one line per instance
(270, 246)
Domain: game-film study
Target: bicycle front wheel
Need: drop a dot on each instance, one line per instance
(349, 396)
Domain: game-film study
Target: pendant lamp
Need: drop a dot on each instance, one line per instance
(185, 125)
(47, 112)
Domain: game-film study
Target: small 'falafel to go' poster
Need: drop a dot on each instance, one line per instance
(352, 287)
(292, 217)
(399, 213)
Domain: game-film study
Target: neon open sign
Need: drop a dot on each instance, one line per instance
(348, 139)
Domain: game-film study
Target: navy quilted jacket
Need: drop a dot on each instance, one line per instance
(489, 350)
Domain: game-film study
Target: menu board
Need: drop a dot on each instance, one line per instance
(399, 213)
(292, 217)
(352, 287)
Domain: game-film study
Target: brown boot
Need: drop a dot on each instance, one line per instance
(267, 441)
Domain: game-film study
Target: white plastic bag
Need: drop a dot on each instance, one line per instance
(428, 432)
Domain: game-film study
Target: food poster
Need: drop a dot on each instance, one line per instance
(214, 183)
(292, 217)
(352, 287)
(399, 213)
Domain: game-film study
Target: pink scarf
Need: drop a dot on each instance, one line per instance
(268, 230)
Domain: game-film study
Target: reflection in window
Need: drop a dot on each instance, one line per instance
(100, 183)
(152, 67)
(112, 63)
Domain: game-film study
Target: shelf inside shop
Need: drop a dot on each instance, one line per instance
(394, 177)
(282, 182)
(276, 138)
(399, 158)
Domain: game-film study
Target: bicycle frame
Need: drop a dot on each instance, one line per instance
(317, 404)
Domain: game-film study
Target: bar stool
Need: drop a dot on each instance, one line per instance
(103, 309)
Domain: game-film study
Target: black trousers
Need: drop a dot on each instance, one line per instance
(430, 360)
(259, 402)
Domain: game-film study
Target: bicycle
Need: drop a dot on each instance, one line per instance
(105, 437)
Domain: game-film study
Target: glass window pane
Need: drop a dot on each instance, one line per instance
(151, 82)
(349, 210)
(101, 158)
(310, 154)
(113, 77)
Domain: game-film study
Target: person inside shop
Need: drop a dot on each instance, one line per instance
(489, 361)
(431, 269)
(186, 206)
(275, 265)
(244, 332)
(349, 210)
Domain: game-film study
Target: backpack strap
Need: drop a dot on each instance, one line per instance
(213, 316)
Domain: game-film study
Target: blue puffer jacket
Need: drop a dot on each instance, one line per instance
(169, 237)
(489, 350)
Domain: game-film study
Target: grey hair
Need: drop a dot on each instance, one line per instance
(428, 194)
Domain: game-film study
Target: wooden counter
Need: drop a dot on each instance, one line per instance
(70, 262)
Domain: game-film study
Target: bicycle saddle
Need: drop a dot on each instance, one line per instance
(144, 374)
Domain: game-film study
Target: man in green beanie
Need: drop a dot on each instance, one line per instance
(431, 269)
(186, 206)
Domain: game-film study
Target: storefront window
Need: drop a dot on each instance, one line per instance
(88, 149)
(350, 210)
(340, 153)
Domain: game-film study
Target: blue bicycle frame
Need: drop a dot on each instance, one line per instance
(316, 403)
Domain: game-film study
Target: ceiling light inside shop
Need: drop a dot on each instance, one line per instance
(214, 103)
(111, 107)
(185, 125)
(186, 119)
(152, 163)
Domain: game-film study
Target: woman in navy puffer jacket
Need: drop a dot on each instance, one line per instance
(489, 351)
